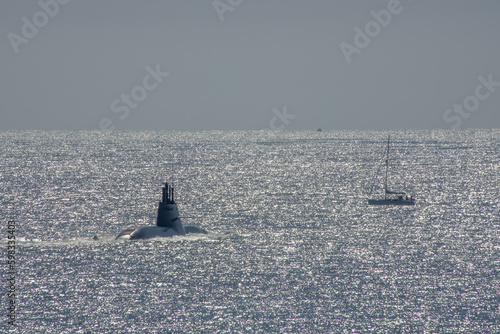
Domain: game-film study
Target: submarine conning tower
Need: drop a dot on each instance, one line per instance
(168, 213)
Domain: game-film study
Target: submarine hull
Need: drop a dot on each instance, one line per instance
(149, 232)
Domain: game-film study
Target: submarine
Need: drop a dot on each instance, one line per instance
(168, 222)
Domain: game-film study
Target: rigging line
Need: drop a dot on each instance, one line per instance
(378, 171)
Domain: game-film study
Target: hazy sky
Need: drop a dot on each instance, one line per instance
(88, 64)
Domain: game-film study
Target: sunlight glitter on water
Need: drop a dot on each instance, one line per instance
(292, 247)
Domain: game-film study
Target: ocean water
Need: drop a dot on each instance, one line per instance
(293, 246)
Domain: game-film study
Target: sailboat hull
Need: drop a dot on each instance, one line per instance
(390, 202)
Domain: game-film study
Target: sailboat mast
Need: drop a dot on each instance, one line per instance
(386, 167)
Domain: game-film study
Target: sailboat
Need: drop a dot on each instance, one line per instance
(391, 197)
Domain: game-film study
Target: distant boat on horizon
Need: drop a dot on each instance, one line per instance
(395, 197)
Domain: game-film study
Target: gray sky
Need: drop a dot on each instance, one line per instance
(88, 56)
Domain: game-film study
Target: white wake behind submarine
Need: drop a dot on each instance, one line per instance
(168, 222)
